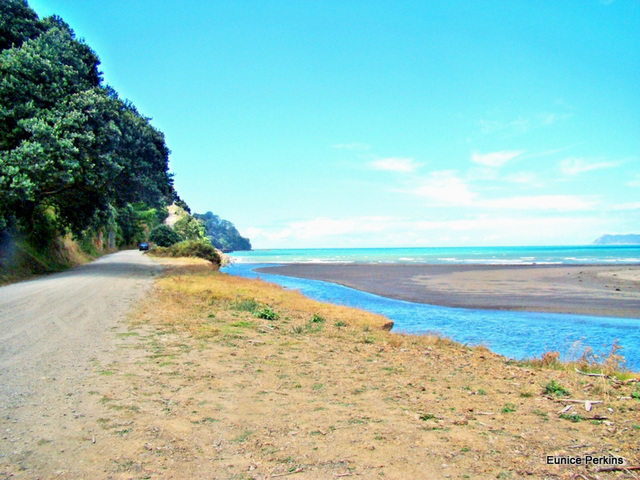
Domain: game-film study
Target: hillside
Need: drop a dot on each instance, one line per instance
(222, 233)
(630, 239)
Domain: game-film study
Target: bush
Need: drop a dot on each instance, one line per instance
(164, 236)
(554, 388)
(190, 248)
(267, 313)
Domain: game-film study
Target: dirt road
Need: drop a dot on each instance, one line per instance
(54, 331)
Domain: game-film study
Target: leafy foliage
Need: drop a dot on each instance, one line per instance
(189, 228)
(17, 23)
(190, 248)
(68, 144)
(553, 387)
(222, 233)
(266, 313)
(164, 236)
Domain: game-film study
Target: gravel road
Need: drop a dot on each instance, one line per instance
(53, 332)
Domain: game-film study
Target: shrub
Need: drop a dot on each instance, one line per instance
(164, 236)
(267, 313)
(190, 248)
(197, 249)
(550, 359)
(554, 388)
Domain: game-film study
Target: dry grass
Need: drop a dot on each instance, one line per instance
(202, 388)
(214, 291)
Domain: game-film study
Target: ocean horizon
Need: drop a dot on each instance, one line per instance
(524, 255)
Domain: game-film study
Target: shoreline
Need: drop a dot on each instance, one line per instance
(596, 290)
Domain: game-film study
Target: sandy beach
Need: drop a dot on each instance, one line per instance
(612, 291)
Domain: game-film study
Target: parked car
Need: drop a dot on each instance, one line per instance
(144, 246)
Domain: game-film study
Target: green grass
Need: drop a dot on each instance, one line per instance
(554, 388)
(246, 305)
(266, 313)
(573, 417)
(427, 416)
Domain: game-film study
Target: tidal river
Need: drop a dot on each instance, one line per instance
(517, 335)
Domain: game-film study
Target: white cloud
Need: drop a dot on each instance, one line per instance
(634, 183)
(319, 229)
(495, 159)
(522, 125)
(509, 229)
(627, 206)
(395, 164)
(525, 178)
(445, 187)
(270, 236)
(542, 202)
(576, 166)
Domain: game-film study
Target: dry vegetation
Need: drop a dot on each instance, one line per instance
(204, 388)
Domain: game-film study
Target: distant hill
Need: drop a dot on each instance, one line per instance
(222, 233)
(630, 239)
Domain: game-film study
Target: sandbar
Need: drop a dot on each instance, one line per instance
(598, 290)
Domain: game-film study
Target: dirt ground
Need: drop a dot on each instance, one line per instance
(194, 384)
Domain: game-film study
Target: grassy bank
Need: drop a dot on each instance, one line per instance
(230, 378)
(21, 259)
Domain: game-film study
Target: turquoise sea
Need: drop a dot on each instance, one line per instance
(590, 254)
(517, 335)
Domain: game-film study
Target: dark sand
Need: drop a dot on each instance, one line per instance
(612, 291)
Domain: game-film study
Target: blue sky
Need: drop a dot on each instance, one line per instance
(370, 124)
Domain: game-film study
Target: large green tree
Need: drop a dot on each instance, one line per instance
(68, 144)
(17, 23)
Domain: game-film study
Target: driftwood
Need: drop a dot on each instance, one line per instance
(299, 470)
(573, 400)
(620, 468)
(592, 374)
(588, 404)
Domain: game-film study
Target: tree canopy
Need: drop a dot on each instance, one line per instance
(222, 233)
(68, 143)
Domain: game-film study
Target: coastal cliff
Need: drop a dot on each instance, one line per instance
(630, 239)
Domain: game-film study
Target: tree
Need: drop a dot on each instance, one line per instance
(164, 236)
(18, 23)
(49, 104)
(189, 228)
(66, 142)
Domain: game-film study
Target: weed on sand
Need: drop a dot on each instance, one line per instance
(208, 389)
